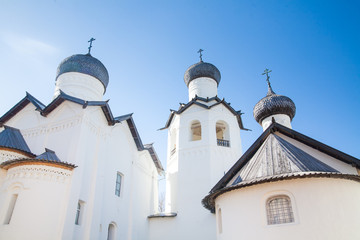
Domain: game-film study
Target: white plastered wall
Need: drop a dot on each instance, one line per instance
(324, 208)
(84, 138)
(202, 87)
(192, 170)
(80, 85)
(282, 119)
(42, 200)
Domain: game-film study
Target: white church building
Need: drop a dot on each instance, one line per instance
(69, 169)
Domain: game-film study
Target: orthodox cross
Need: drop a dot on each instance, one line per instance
(200, 51)
(90, 41)
(267, 71)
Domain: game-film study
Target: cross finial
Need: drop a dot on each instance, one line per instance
(90, 41)
(200, 51)
(267, 71)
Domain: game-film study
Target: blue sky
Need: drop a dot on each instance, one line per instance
(312, 48)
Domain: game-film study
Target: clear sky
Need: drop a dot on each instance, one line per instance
(312, 48)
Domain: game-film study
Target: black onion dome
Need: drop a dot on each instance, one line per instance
(202, 69)
(273, 104)
(86, 64)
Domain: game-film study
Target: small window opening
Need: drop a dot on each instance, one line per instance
(119, 178)
(220, 220)
(222, 134)
(172, 142)
(79, 212)
(279, 210)
(195, 131)
(11, 208)
(111, 232)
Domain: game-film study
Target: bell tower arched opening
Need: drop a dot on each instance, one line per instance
(195, 131)
(222, 134)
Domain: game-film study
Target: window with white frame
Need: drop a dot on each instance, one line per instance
(279, 210)
(119, 179)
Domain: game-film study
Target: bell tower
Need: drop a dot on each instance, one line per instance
(203, 143)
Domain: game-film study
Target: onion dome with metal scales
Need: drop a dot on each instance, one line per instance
(86, 64)
(202, 69)
(273, 104)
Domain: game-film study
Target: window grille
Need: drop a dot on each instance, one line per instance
(223, 143)
(222, 134)
(279, 210)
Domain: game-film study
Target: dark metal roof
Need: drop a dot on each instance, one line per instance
(202, 69)
(154, 157)
(305, 164)
(48, 155)
(20, 105)
(123, 117)
(12, 138)
(275, 127)
(44, 111)
(198, 101)
(273, 104)
(15, 162)
(277, 156)
(86, 64)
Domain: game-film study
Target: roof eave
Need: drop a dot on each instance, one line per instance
(209, 201)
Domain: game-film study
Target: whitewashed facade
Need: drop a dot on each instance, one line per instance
(287, 185)
(203, 143)
(71, 170)
(62, 202)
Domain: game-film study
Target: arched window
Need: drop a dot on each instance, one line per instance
(279, 210)
(111, 232)
(195, 131)
(222, 134)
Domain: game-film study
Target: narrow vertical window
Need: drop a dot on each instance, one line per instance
(220, 220)
(172, 142)
(195, 131)
(279, 210)
(10, 209)
(79, 212)
(118, 184)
